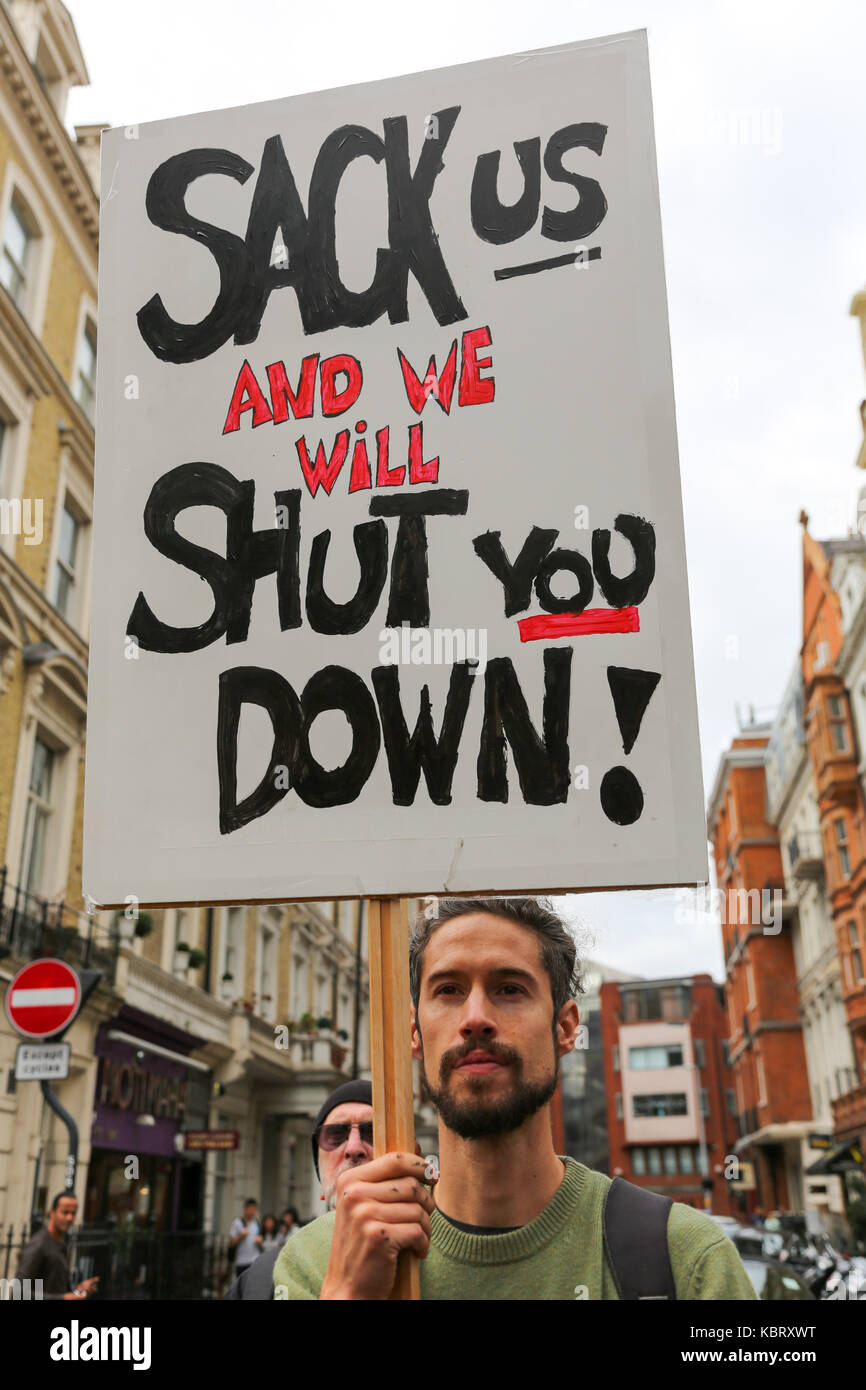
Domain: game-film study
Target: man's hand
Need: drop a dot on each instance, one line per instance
(84, 1289)
(383, 1207)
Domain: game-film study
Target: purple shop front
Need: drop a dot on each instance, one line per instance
(136, 1174)
(141, 1102)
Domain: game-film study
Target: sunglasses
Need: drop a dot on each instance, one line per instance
(330, 1137)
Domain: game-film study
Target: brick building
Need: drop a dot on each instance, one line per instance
(774, 1109)
(669, 1087)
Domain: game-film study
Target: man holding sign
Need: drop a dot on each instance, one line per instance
(492, 983)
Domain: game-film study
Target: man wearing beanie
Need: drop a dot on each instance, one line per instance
(342, 1138)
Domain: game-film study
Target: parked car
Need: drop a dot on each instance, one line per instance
(774, 1281)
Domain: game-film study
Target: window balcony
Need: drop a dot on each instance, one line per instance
(849, 1110)
(806, 856)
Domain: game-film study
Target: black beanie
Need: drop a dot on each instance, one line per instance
(359, 1092)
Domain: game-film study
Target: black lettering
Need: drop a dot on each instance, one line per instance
(592, 204)
(632, 588)
(543, 766)
(165, 206)
(408, 756)
(492, 220)
(371, 548)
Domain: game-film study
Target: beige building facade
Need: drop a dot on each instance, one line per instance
(239, 1019)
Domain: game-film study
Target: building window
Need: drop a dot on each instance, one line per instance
(85, 379)
(615, 1057)
(638, 1162)
(19, 235)
(67, 555)
(670, 1159)
(618, 1103)
(705, 1101)
(669, 1002)
(842, 847)
(838, 723)
(732, 1101)
(762, 1083)
(700, 1052)
(856, 957)
(657, 1106)
(267, 1004)
(726, 1052)
(687, 1158)
(300, 987)
(643, 1058)
(655, 1160)
(38, 817)
(232, 944)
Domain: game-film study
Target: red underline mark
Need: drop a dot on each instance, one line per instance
(577, 624)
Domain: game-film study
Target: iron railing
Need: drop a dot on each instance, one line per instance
(138, 1264)
(31, 926)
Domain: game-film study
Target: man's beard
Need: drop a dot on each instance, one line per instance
(478, 1117)
(329, 1189)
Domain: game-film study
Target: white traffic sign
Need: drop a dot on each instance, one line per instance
(42, 1061)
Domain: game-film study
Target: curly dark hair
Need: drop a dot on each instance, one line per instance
(558, 949)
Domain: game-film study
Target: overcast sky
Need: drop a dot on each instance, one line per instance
(760, 114)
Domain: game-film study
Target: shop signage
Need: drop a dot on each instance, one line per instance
(211, 1139)
(128, 1086)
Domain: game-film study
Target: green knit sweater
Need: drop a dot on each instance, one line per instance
(558, 1255)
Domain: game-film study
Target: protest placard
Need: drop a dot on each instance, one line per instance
(389, 580)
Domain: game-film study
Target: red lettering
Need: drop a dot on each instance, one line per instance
(282, 395)
(246, 384)
(441, 387)
(323, 472)
(335, 402)
(385, 476)
(474, 389)
(360, 475)
(419, 471)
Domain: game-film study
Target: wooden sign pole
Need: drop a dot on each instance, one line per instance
(390, 1053)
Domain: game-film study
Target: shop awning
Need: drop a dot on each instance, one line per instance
(845, 1158)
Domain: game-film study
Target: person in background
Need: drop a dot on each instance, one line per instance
(242, 1236)
(269, 1238)
(289, 1225)
(45, 1256)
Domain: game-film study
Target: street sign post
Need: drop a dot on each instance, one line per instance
(42, 1061)
(41, 1002)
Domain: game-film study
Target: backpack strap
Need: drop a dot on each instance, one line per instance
(635, 1239)
(258, 1280)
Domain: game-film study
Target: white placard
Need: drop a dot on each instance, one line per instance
(42, 1061)
(300, 529)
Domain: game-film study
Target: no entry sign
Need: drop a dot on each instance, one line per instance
(43, 998)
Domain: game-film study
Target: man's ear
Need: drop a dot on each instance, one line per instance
(567, 1027)
(415, 1034)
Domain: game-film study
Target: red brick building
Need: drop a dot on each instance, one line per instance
(669, 1087)
(774, 1107)
(833, 752)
